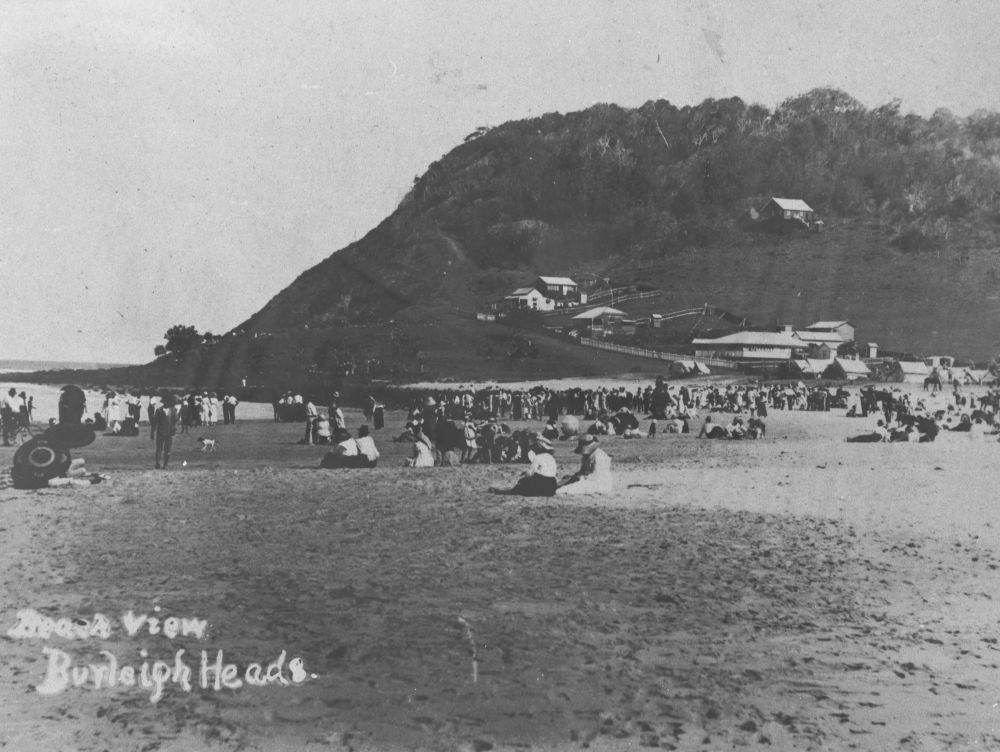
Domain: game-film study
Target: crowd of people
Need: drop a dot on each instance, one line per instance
(122, 413)
(467, 426)
(16, 412)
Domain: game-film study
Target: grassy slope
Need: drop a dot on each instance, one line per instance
(931, 303)
(945, 302)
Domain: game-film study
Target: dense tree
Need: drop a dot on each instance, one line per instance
(181, 340)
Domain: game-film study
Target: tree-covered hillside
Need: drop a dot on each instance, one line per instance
(660, 195)
(632, 191)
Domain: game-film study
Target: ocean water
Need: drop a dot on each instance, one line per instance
(46, 402)
(23, 366)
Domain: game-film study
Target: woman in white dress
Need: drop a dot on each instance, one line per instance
(213, 409)
(594, 476)
(114, 412)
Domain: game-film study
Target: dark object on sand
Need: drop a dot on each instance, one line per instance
(37, 461)
(72, 403)
(70, 435)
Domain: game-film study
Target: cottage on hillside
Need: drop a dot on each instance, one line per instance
(529, 299)
(558, 287)
(788, 208)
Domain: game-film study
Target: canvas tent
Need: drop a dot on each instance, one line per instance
(976, 376)
(844, 369)
(911, 372)
(689, 368)
(809, 368)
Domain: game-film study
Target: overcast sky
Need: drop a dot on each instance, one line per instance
(181, 162)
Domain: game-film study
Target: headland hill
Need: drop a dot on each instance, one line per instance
(670, 207)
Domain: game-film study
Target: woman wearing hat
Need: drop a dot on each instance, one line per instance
(540, 480)
(431, 416)
(595, 470)
(423, 452)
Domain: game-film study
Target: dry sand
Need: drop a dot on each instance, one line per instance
(793, 593)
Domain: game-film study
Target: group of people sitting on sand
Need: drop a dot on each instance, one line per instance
(351, 452)
(542, 478)
(924, 428)
(439, 440)
(735, 430)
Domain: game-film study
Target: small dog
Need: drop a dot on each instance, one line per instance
(207, 445)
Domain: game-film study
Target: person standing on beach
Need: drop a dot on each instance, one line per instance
(311, 414)
(162, 429)
(231, 403)
(22, 406)
(185, 415)
(336, 415)
(8, 409)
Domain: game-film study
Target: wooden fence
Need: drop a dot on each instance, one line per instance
(641, 352)
(590, 304)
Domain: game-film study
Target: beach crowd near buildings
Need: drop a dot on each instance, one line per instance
(492, 424)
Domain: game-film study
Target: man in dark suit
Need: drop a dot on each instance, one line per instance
(162, 429)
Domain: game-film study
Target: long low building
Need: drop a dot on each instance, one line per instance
(750, 346)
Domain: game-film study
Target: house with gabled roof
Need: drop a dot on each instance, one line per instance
(788, 208)
(558, 287)
(529, 299)
(844, 329)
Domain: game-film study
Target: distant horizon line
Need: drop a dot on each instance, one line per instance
(36, 361)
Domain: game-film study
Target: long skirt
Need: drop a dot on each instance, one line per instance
(535, 485)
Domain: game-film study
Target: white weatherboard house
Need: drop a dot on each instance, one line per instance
(750, 346)
(558, 287)
(530, 299)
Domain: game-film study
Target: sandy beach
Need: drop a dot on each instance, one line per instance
(797, 592)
